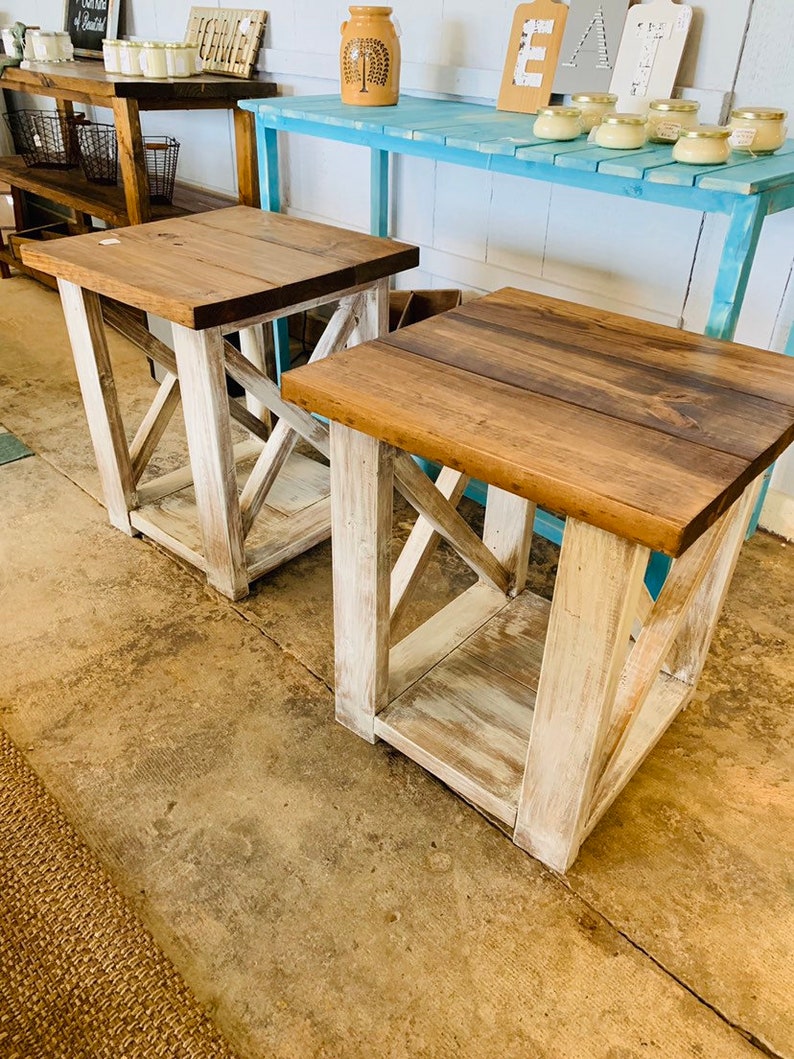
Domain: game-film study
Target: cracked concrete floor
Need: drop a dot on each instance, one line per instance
(328, 898)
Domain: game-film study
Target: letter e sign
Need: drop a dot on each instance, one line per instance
(532, 56)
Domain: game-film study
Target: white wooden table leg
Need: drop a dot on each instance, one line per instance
(374, 321)
(361, 519)
(598, 585)
(508, 533)
(202, 380)
(254, 347)
(692, 643)
(83, 314)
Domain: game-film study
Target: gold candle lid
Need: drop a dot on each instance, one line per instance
(684, 106)
(560, 112)
(706, 132)
(759, 113)
(623, 119)
(594, 97)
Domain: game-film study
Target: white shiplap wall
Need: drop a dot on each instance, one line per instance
(480, 231)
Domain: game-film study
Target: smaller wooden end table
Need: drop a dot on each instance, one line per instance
(210, 274)
(644, 437)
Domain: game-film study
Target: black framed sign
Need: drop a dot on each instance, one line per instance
(89, 22)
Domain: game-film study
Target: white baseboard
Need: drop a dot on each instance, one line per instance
(777, 515)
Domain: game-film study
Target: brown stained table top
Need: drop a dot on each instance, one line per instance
(88, 80)
(221, 267)
(644, 430)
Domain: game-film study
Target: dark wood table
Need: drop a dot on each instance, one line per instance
(210, 274)
(87, 82)
(643, 437)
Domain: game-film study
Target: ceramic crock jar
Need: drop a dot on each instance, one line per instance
(369, 58)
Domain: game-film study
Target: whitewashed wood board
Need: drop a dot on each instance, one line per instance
(650, 53)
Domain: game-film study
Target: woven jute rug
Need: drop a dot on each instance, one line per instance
(80, 975)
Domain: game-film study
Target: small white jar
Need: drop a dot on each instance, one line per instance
(558, 123)
(703, 145)
(153, 61)
(621, 132)
(757, 130)
(196, 62)
(178, 59)
(111, 57)
(130, 57)
(666, 118)
(593, 105)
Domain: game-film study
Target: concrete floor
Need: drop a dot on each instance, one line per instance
(328, 898)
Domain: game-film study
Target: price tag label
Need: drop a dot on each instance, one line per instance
(666, 130)
(742, 138)
(592, 137)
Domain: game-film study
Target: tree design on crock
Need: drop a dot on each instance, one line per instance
(371, 56)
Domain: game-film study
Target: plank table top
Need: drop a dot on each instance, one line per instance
(223, 266)
(643, 430)
(87, 80)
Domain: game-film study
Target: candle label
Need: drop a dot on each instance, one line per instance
(742, 137)
(666, 130)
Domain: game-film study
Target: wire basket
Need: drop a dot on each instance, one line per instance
(161, 153)
(45, 139)
(99, 152)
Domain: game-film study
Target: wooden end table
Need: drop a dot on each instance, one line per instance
(211, 274)
(643, 437)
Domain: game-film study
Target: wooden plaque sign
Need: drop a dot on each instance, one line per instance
(650, 53)
(590, 45)
(228, 38)
(88, 22)
(532, 56)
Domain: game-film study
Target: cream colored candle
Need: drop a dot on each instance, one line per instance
(130, 57)
(153, 61)
(593, 105)
(703, 145)
(666, 118)
(110, 54)
(179, 59)
(757, 130)
(621, 132)
(558, 123)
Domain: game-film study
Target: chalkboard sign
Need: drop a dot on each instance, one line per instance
(89, 22)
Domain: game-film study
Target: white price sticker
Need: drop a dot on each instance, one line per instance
(592, 137)
(245, 25)
(109, 242)
(742, 138)
(666, 130)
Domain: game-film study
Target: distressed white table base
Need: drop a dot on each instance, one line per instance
(537, 713)
(285, 493)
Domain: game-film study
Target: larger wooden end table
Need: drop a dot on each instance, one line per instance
(211, 274)
(643, 437)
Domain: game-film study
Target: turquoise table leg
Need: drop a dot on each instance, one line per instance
(379, 192)
(270, 195)
(744, 232)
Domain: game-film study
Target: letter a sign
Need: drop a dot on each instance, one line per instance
(532, 56)
(590, 45)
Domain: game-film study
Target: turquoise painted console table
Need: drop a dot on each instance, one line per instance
(746, 189)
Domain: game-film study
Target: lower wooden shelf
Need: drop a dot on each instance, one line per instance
(68, 187)
(468, 718)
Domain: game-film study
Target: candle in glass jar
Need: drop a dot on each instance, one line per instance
(130, 57)
(621, 132)
(593, 105)
(110, 54)
(757, 130)
(703, 145)
(558, 123)
(666, 118)
(153, 61)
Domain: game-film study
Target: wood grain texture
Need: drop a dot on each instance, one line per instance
(83, 314)
(361, 504)
(132, 160)
(202, 380)
(588, 635)
(508, 533)
(506, 388)
(532, 54)
(225, 266)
